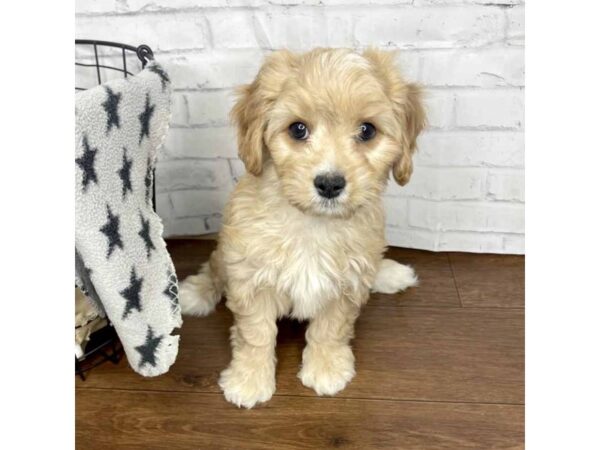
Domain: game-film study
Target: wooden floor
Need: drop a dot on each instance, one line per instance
(438, 367)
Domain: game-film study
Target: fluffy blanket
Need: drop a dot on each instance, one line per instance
(121, 260)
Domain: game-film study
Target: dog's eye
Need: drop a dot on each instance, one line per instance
(366, 131)
(298, 131)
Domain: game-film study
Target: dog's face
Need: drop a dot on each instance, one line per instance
(334, 123)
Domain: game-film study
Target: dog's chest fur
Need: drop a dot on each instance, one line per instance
(314, 273)
(310, 266)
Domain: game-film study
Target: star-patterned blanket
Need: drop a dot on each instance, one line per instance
(121, 260)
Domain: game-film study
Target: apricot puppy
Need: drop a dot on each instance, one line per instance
(303, 231)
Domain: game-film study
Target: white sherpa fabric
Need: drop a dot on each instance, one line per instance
(122, 262)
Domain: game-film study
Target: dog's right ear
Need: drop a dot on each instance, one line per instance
(250, 113)
(249, 116)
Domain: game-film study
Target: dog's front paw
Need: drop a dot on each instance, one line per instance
(327, 372)
(393, 277)
(246, 388)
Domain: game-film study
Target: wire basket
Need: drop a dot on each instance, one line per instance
(97, 62)
(100, 61)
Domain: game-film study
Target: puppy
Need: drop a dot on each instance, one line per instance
(303, 231)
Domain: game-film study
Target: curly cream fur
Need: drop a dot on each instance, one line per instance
(283, 250)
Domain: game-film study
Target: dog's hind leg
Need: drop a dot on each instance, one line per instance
(394, 277)
(199, 294)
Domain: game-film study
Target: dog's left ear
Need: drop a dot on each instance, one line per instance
(413, 120)
(408, 108)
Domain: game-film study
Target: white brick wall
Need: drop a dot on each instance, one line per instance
(467, 192)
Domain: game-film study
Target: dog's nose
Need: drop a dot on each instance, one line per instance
(330, 185)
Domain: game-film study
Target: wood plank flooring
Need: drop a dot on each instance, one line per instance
(438, 367)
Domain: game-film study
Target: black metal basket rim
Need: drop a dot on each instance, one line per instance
(143, 51)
